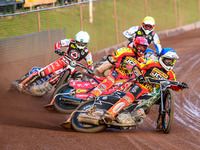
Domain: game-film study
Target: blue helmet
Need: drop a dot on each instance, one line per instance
(168, 58)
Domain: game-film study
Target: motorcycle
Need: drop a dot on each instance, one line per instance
(88, 117)
(56, 79)
(68, 96)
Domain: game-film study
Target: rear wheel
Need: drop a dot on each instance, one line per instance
(83, 127)
(59, 105)
(167, 118)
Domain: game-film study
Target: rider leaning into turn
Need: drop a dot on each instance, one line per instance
(146, 31)
(160, 68)
(123, 60)
(76, 48)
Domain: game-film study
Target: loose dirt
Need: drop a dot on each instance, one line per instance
(26, 125)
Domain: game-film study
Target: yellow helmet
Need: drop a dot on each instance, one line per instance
(148, 24)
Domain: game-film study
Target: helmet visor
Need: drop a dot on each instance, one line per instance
(141, 48)
(148, 26)
(81, 44)
(169, 61)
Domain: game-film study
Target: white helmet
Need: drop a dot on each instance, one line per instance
(168, 58)
(82, 39)
(148, 24)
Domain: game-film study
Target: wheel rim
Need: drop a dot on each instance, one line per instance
(167, 111)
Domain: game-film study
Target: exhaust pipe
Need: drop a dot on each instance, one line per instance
(84, 118)
(70, 100)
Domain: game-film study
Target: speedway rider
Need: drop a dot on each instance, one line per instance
(146, 31)
(121, 60)
(159, 69)
(76, 48)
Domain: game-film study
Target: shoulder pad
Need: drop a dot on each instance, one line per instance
(122, 50)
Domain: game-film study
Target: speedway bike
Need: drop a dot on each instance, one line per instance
(88, 117)
(55, 79)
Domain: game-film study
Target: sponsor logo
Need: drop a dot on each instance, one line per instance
(130, 60)
(104, 81)
(134, 89)
(128, 99)
(109, 78)
(118, 107)
(139, 33)
(80, 90)
(82, 84)
(158, 74)
(100, 89)
(82, 53)
(73, 46)
(89, 62)
(139, 111)
(74, 54)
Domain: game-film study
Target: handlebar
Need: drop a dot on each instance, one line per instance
(157, 81)
(74, 63)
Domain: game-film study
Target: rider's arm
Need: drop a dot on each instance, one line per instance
(62, 43)
(157, 44)
(172, 77)
(115, 58)
(130, 33)
(89, 60)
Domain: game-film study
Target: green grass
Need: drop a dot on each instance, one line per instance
(102, 31)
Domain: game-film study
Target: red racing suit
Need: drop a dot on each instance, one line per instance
(121, 56)
(72, 51)
(150, 68)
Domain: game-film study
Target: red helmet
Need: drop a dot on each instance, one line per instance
(140, 45)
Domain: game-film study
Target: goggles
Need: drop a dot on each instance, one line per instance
(169, 61)
(81, 44)
(141, 48)
(148, 26)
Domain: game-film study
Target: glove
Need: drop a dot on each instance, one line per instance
(140, 79)
(130, 39)
(58, 51)
(183, 85)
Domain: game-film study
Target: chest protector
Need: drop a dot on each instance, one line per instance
(76, 53)
(149, 37)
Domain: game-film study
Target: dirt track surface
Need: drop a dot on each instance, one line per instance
(26, 125)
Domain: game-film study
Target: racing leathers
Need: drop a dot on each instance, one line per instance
(72, 51)
(123, 60)
(148, 69)
(136, 31)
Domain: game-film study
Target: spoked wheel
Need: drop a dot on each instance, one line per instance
(83, 127)
(167, 118)
(59, 105)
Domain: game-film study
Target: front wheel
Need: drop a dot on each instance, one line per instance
(83, 127)
(62, 80)
(167, 118)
